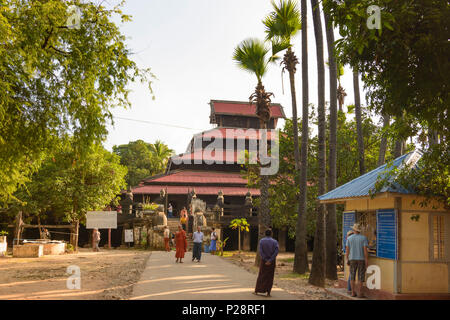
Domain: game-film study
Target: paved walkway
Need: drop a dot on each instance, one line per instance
(213, 278)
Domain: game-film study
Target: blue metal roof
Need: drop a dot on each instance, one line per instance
(362, 185)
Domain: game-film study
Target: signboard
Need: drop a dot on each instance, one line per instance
(101, 220)
(387, 234)
(348, 218)
(128, 235)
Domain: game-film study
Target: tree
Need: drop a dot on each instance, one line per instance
(143, 159)
(362, 168)
(317, 275)
(383, 142)
(301, 250)
(330, 221)
(57, 79)
(404, 61)
(253, 56)
(68, 184)
(160, 155)
(281, 26)
(241, 225)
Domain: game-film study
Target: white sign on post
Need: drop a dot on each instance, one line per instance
(128, 235)
(101, 220)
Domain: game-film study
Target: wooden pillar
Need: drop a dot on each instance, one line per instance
(246, 241)
(282, 240)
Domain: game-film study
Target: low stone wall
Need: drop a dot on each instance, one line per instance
(31, 250)
(54, 248)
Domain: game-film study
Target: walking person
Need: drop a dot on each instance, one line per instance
(349, 287)
(214, 238)
(96, 238)
(169, 210)
(166, 238)
(183, 218)
(356, 252)
(181, 244)
(198, 240)
(268, 249)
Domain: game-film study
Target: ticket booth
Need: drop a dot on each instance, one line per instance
(409, 243)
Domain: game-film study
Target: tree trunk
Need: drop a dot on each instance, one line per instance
(383, 142)
(301, 250)
(398, 148)
(264, 210)
(362, 168)
(74, 236)
(317, 276)
(331, 227)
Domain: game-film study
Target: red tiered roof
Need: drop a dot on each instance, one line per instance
(235, 133)
(243, 108)
(200, 190)
(199, 177)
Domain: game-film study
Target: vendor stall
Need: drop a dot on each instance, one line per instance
(409, 244)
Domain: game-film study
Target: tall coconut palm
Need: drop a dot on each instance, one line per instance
(383, 142)
(282, 25)
(331, 227)
(317, 276)
(253, 56)
(341, 94)
(358, 117)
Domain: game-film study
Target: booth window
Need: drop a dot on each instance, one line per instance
(368, 223)
(438, 237)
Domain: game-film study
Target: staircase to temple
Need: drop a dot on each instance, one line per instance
(173, 223)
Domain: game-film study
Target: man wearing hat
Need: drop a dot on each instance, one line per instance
(356, 252)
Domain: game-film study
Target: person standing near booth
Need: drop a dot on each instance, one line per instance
(356, 252)
(166, 238)
(183, 218)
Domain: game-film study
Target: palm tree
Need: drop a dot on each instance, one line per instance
(341, 94)
(317, 276)
(331, 227)
(253, 56)
(281, 26)
(160, 155)
(362, 168)
(383, 142)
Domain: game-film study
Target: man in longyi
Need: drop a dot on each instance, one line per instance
(268, 249)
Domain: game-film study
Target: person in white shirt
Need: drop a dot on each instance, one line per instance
(214, 237)
(198, 240)
(166, 238)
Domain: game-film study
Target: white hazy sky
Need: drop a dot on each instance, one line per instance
(188, 44)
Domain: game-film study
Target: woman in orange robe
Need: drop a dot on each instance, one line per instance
(181, 244)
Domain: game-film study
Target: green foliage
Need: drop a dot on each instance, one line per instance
(56, 80)
(283, 22)
(405, 63)
(143, 159)
(3, 233)
(241, 224)
(283, 187)
(252, 55)
(429, 178)
(221, 244)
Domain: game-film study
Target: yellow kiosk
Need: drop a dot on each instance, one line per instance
(409, 244)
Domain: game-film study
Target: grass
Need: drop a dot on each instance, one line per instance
(293, 275)
(289, 260)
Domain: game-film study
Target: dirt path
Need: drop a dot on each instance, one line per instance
(214, 278)
(105, 275)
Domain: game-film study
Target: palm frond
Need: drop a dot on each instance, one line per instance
(284, 22)
(251, 56)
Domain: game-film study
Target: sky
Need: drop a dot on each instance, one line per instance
(188, 44)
